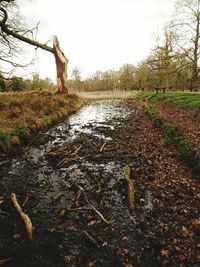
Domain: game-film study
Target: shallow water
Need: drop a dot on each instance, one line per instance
(50, 188)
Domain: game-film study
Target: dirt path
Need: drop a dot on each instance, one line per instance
(94, 226)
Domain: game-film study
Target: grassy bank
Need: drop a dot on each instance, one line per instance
(24, 114)
(175, 136)
(183, 100)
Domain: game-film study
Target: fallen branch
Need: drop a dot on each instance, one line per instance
(23, 216)
(131, 189)
(89, 238)
(82, 190)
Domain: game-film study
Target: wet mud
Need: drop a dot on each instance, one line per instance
(70, 181)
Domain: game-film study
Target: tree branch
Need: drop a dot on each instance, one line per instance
(5, 29)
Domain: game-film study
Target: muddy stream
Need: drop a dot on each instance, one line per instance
(84, 151)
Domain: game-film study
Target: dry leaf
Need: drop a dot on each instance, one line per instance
(165, 252)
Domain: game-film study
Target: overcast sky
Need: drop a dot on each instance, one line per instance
(96, 34)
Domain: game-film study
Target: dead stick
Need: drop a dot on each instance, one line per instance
(131, 189)
(91, 206)
(76, 151)
(89, 238)
(25, 201)
(23, 216)
(67, 160)
(102, 147)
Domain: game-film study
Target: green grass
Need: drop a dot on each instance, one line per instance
(175, 137)
(182, 100)
(154, 115)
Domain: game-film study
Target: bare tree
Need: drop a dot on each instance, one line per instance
(161, 60)
(76, 78)
(7, 31)
(187, 24)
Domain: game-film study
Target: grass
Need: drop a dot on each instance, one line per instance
(175, 136)
(114, 94)
(154, 115)
(182, 100)
(24, 114)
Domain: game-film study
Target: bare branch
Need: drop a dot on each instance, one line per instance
(5, 29)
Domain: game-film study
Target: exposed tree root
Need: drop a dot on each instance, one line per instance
(23, 216)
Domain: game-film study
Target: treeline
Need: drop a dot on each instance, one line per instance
(173, 63)
(122, 79)
(19, 84)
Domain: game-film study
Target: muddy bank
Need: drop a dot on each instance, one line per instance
(70, 182)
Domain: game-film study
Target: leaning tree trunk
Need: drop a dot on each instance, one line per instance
(61, 66)
(61, 60)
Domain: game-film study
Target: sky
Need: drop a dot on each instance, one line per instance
(96, 34)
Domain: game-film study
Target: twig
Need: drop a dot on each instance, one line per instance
(25, 201)
(76, 151)
(66, 160)
(23, 216)
(92, 207)
(89, 238)
(102, 147)
(131, 190)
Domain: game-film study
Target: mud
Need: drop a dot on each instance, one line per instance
(91, 150)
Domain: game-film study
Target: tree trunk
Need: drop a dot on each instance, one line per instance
(61, 66)
(61, 60)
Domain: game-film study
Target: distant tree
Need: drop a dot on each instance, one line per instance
(16, 84)
(127, 76)
(187, 24)
(76, 78)
(161, 61)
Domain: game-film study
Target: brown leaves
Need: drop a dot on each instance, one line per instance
(165, 252)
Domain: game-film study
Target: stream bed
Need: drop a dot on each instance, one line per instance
(70, 181)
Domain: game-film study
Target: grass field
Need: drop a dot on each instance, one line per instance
(106, 95)
(183, 100)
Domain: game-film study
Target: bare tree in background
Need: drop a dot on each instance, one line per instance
(187, 25)
(76, 78)
(12, 32)
(161, 61)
